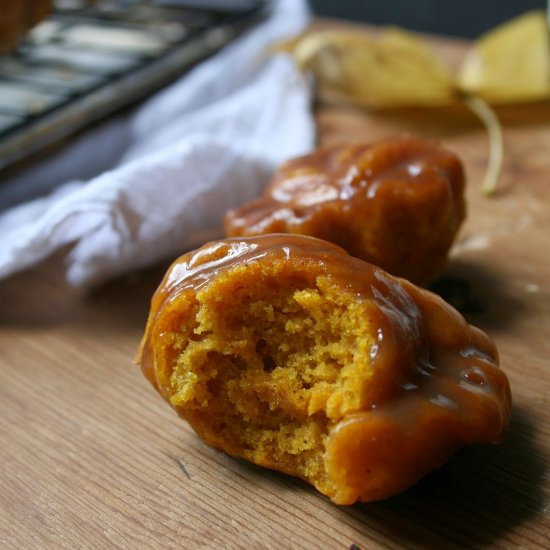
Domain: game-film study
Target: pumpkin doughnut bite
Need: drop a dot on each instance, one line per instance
(398, 203)
(286, 351)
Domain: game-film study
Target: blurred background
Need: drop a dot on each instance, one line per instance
(91, 58)
(464, 18)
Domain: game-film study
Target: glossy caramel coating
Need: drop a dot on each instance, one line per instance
(288, 352)
(397, 204)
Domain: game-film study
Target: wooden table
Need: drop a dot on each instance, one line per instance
(92, 458)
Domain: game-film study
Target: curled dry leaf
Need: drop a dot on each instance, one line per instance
(397, 70)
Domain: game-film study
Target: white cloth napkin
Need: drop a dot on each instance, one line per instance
(207, 143)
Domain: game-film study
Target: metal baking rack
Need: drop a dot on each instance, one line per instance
(86, 61)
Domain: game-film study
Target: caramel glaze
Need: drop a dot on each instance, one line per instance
(437, 384)
(398, 203)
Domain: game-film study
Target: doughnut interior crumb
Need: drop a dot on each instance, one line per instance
(265, 364)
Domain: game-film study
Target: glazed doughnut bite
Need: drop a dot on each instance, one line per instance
(397, 204)
(288, 352)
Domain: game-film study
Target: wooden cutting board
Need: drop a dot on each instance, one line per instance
(92, 458)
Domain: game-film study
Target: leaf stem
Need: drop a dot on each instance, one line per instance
(496, 143)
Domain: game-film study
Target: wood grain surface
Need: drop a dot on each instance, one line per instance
(91, 457)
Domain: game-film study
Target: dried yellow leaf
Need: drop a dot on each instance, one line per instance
(396, 70)
(510, 63)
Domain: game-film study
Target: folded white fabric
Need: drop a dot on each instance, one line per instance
(207, 143)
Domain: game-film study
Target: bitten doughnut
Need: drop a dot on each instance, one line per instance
(397, 204)
(288, 352)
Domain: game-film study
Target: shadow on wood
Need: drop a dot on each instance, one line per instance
(483, 296)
